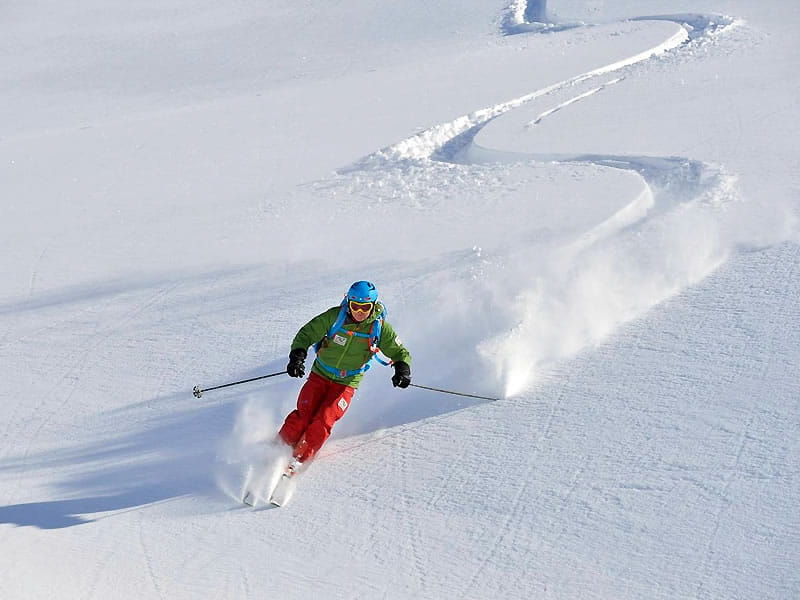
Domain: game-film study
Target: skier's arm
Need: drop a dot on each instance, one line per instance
(316, 329)
(391, 345)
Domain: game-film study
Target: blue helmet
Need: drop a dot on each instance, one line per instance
(362, 291)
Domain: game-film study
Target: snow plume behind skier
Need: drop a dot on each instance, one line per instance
(248, 453)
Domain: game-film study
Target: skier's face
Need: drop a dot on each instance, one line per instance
(360, 310)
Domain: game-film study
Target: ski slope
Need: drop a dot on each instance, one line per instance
(587, 210)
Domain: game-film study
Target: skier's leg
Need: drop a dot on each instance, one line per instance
(331, 409)
(308, 401)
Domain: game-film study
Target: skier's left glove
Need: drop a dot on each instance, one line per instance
(402, 374)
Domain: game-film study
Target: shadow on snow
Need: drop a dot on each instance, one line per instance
(175, 456)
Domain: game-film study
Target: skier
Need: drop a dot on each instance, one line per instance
(346, 338)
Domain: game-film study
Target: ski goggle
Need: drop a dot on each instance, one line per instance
(360, 306)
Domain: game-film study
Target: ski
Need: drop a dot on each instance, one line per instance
(258, 482)
(247, 497)
(282, 493)
(283, 490)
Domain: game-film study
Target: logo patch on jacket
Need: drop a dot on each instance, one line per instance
(339, 339)
(342, 403)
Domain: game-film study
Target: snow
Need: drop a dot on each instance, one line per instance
(592, 218)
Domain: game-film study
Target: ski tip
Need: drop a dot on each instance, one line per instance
(283, 491)
(248, 499)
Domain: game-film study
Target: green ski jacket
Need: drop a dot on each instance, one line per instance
(348, 352)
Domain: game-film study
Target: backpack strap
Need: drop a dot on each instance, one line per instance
(337, 325)
(374, 336)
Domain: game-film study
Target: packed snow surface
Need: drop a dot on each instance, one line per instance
(585, 210)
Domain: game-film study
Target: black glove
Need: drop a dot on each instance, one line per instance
(296, 366)
(402, 374)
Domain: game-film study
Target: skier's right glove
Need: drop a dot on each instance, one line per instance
(296, 366)
(402, 374)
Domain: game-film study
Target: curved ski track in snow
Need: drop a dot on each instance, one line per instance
(444, 141)
(647, 220)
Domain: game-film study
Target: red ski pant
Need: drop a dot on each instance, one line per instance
(320, 404)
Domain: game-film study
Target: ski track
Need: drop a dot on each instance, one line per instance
(723, 504)
(408, 524)
(444, 141)
(737, 470)
(77, 362)
(148, 558)
(669, 181)
(511, 519)
(98, 570)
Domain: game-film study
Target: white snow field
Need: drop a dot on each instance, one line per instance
(587, 210)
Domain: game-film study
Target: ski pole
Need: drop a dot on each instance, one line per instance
(412, 426)
(198, 392)
(433, 389)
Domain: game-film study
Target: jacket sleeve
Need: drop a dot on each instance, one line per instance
(316, 329)
(391, 345)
